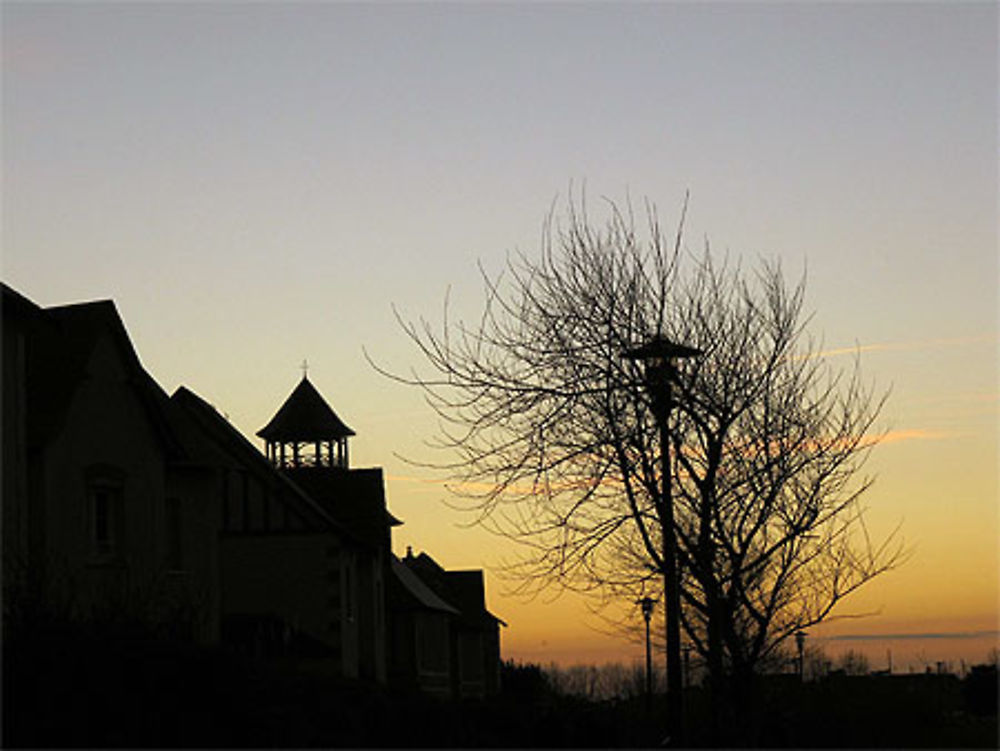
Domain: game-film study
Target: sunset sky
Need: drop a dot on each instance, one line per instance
(258, 183)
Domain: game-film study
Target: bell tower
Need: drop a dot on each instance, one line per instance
(306, 432)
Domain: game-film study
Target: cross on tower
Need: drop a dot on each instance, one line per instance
(305, 368)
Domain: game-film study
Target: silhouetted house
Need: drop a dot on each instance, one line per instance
(104, 516)
(122, 502)
(420, 634)
(308, 444)
(474, 632)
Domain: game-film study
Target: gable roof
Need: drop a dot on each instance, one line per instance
(16, 305)
(463, 589)
(415, 593)
(59, 344)
(305, 416)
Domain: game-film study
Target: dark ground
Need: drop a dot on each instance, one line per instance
(73, 687)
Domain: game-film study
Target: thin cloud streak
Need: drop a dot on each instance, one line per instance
(907, 346)
(913, 434)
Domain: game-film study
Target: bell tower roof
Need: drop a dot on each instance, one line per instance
(305, 416)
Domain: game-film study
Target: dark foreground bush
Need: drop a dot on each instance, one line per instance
(113, 688)
(980, 689)
(890, 711)
(69, 687)
(72, 686)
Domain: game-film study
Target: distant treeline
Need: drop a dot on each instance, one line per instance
(616, 680)
(843, 705)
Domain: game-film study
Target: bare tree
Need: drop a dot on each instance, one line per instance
(553, 441)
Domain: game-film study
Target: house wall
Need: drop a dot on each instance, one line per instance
(302, 579)
(372, 632)
(13, 459)
(476, 660)
(105, 468)
(349, 602)
(419, 654)
(433, 652)
(491, 656)
(471, 664)
(250, 504)
(192, 558)
(401, 662)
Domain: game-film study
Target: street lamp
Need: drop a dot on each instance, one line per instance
(800, 643)
(647, 613)
(687, 665)
(658, 355)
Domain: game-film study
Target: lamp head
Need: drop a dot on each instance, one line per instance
(647, 604)
(658, 349)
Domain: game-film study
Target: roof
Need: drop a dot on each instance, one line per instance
(83, 324)
(16, 304)
(354, 497)
(464, 589)
(305, 416)
(419, 594)
(60, 343)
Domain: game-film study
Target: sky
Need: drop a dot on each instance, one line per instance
(255, 184)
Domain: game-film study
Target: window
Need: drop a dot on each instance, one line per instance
(104, 511)
(104, 536)
(432, 641)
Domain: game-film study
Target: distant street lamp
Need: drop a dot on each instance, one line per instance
(658, 355)
(800, 643)
(647, 613)
(687, 665)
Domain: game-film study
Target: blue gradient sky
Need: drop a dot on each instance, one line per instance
(258, 183)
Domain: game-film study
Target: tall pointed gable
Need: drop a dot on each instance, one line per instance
(63, 340)
(305, 431)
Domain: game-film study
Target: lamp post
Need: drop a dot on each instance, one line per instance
(647, 613)
(800, 643)
(658, 355)
(687, 665)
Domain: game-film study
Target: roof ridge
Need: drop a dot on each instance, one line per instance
(82, 304)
